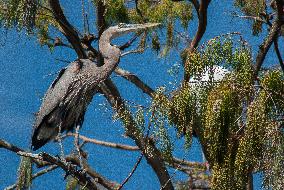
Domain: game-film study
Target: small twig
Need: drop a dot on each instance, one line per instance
(132, 172)
(76, 144)
(59, 139)
(127, 44)
(140, 50)
(255, 18)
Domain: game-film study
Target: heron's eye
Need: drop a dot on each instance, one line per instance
(121, 25)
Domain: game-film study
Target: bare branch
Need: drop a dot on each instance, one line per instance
(46, 159)
(96, 176)
(104, 143)
(132, 172)
(67, 29)
(255, 18)
(265, 46)
(129, 42)
(135, 80)
(278, 54)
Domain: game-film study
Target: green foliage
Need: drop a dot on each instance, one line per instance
(183, 113)
(272, 96)
(24, 174)
(166, 12)
(116, 11)
(19, 13)
(223, 109)
(159, 111)
(253, 8)
(238, 120)
(163, 11)
(30, 15)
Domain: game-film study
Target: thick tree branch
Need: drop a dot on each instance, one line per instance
(271, 37)
(280, 11)
(67, 28)
(151, 153)
(265, 46)
(202, 24)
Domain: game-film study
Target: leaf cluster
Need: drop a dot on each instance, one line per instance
(254, 8)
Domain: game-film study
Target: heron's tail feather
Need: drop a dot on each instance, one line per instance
(43, 134)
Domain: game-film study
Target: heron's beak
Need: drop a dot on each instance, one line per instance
(126, 28)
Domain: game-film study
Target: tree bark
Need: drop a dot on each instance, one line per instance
(151, 153)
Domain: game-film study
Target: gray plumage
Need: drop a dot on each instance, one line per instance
(66, 100)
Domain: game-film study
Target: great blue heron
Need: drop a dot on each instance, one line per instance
(65, 102)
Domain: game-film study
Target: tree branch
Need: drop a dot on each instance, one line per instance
(129, 42)
(202, 24)
(265, 46)
(67, 28)
(131, 173)
(278, 54)
(151, 153)
(104, 143)
(44, 159)
(135, 80)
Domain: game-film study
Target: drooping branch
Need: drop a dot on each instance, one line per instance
(202, 23)
(201, 8)
(271, 37)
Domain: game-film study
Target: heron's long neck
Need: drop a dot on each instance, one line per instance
(111, 56)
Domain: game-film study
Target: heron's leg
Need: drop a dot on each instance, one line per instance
(59, 138)
(76, 143)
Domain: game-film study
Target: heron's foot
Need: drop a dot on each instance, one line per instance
(82, 171)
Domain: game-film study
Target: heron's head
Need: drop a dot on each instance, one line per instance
(124, 28)
(112, 52)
